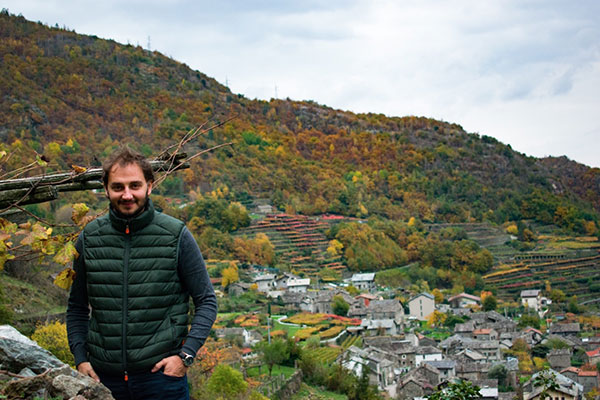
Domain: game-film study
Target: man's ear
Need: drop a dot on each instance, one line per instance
(106, 192)
(150, 183)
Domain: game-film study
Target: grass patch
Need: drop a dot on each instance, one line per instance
(264, 371)
(291, 330)
(309, 392)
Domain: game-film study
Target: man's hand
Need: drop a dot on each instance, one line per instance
(86, 369)
(173, 366)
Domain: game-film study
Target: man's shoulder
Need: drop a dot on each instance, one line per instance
(168, 222)
(95, 225)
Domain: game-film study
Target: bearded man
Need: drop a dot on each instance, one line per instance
(128, 310)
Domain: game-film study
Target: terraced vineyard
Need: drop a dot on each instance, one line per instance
(574, 276)
(299, 241)
(325, 355)
(485, 235)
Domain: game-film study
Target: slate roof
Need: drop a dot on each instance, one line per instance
(385, 306)
(367, 277)
(443, 364)
(565, 328)
(530, 293)
(428, 295)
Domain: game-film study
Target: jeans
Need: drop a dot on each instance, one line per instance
(147, 386)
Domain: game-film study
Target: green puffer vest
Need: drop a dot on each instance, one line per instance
(139, 310)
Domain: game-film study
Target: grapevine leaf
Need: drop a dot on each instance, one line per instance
(66, 254)
(65, 279)
(79, 212)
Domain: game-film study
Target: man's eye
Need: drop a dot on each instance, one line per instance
(117, 188)
(136, 186)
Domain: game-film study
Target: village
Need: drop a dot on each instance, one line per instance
(411, 350)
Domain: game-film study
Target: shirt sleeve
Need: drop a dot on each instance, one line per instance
(78, 312)
(194, 278)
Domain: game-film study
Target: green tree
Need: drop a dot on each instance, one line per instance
(489, 303)
(500, 373)
(339, 306)
(461, 390)
(273, 353)
(226, 383)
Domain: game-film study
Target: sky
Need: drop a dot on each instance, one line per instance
(526, 72)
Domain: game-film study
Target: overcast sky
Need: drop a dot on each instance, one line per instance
(525, 72)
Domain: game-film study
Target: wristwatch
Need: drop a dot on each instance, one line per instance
(187, 359)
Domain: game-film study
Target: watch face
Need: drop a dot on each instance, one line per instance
(187, 359)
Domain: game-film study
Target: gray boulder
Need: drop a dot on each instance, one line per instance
(22, 358)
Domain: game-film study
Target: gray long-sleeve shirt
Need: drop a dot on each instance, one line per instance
(194, 279)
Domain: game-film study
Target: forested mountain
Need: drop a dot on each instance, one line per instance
(72, 97)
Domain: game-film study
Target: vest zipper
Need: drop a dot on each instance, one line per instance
(125, 298)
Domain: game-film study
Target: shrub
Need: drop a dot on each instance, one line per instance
(53, 337)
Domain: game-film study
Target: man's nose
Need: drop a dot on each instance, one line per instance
(127, 194)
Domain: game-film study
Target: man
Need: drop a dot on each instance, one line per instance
(135, 271)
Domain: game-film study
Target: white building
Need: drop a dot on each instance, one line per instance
(532, 298)
(363, 281)
(421, 306)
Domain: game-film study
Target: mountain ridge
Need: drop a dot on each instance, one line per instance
(72, 97)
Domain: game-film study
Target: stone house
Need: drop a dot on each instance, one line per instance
(421, 305)
(238, 288)
(419, 382)
(378, 367)
(365, 281)
(446, 367)
(472, 371)
(589, 380)
(489, 348)
(464, 300)
(485, 334)
(567, 388)
(469, 356)
(532, 299)
(298, 285)
(465, 329)
(379, 327)
(559, 359)
(265, 282)
(366, 298)
(567, 329)
(385, 309)
(427, 353)
(592, 356)
(324, 298)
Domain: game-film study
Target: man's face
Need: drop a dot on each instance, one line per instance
(127, 189)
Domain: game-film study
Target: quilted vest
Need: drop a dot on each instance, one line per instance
(139, 310)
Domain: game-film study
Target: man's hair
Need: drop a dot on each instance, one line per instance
(125, 156)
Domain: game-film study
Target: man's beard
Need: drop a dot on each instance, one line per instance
(143, 203)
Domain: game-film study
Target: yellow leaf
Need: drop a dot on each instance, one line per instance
(2, 154)
(66, 254)
(79, 212)
(65, 279)
(78, 169)
(26, 225)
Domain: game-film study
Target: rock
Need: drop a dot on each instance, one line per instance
(67, 385)
(18, 352)
(27, 372)
(51, 377)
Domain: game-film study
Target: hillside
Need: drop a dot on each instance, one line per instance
(73, 97)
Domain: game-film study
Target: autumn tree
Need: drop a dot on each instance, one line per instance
(229, 275)
(258, 250)
(226, 383)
